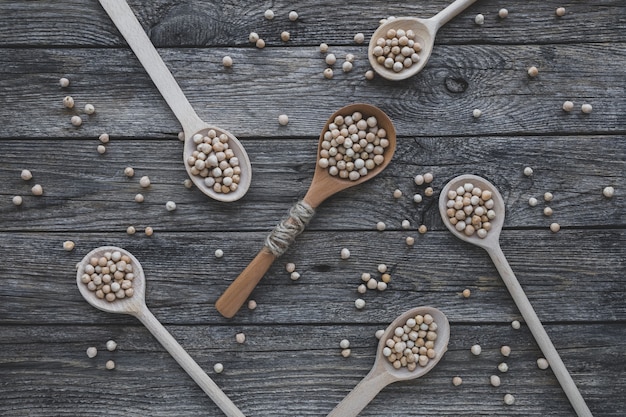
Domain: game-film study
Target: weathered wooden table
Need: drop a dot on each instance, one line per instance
(291, 363)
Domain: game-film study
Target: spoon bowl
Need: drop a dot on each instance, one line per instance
(492, 245)
(425, 31)
(322, 186)
(124, 19)
(135, 305)
(383, 373)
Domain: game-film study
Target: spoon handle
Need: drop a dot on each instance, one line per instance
(240, 289)
(451, 11)
(187, 363)
(362, 394)
(126, 22)
(538, 331)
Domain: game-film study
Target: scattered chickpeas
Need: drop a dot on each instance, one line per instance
(170, 206)
(479, 19)
(76, 121)
(104, 138)
(284, 36)
(218, 368)
(505, 350)
(129, 172)
(503, 13)
(509, 399)
(477, 113)
(494, 380)
(568, 106)
(110, 365)
(359, 303)
(533, 71)
(17, 200)
(397, 50)
(586, 108)
(269, 14)
(144, 181)
(219, 253)
(515, 324)
(64, 82)
(542, 363)
(345, 253)
(283, 120)
(92, 351)
(68, 101)
(89, 108)
(111, 345)
(227, 61)
(476, 349)
(413, 343)
(149, 231)
(532, 201)
(252, 304)
(37, 189)
(456, 381)
(608, 192)
(555, 227)
(528, 171)
(467, 292)
(503, 367)
(560, 11)
(328, 73)
(139, 198)
(240, 337)
(68, 245)
(293, 16)
(101, 149)
(547, 211)
(26, 175)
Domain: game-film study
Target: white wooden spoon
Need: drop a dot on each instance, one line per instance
(425, 31)
(122, 15)
(383, 373)
(491, 244)
(136, 306)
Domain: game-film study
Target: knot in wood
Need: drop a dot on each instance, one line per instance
(456, 84)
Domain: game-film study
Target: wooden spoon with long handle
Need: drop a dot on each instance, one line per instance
(323, 186)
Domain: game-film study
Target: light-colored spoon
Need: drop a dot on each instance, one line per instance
(122, 15)
(425, 31)
(491, 244)
(136, 306)
(323, 186)
(383, 373)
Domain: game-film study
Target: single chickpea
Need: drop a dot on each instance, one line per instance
(170, 206)
(422, 229)
(269, 14)
(129, 172)
(110, 365)
(542, 363)
(548, 196)
(252, 304)
(68, 245)
(346, 353)
(467, 293)
(503, 367)
(293, 16)
(410, 240)
(139, 198)
(295, 276)
(555, 227)
(323, 48)
(101, 149)
(64, 82)
(240, 337)
(283, 120)
(284, 36)
(479, 19)
(494, 380)
(369, 75)
(17, 200)
(476, 349)
(533, 71)
(547, 211)
(397, 193)
(477, 113)
(528, 171)
(608, 192)
(76, 121)
(344, 344)
(359, 303)
(92, 352)
(509, 399)
(330, 59)
(227, 61)
(568, 106)
(260, 43)
(37, 189)
(144, 182)
(532, 201)
(515, 324)
(111, 345)
(89, 108)
(218, 368)
(290, 267)
(104, 138)
(149, 231)
(503, 13)
(26, 175)
(456, 381)
(131, 230)
(219, 253)
(253, 37)
(345, 253)
(586, 108)
(328, 73)
(560, 11)
(68, 101)
(380, 226)
(505, 350)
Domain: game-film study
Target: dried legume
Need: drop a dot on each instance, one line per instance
(110, 276)
(413, 343)
(397, 50)
(470, 210)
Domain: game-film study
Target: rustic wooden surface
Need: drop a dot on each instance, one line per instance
(290, 364)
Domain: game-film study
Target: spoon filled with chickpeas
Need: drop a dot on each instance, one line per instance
(401, 46)
(356, 144)
(409, 348)
(215, 160)
(112, 280)
(473, 210)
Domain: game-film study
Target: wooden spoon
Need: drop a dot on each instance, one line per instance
(136, 306)
(131, 29)
(383, 373)
(323, 186)
(425, 31)
(491, 244)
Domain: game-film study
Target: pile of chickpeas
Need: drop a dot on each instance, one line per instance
(470, 210)
(352, 146)
(214, 161)
(397, 50)
(413, 343)
(110, 276)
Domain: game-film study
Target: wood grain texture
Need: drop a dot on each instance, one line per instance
(291, 363)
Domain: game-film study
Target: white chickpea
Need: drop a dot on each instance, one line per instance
(76, 121)
(515, 324)
(139, 198)
(64, 82)
(323, 48)
(240, 338)
(505, 350)
(568, 106)
(380, 226)
(456, 381)
(608, 192)
(101, 149)
(494, 380)
(290, 267)
(68, 245)
(509, 399)
(328, 73)
(253, 37)
(586, 108)
(68, 101)
(542, 363)
(111, 345)
(17, 200)
(533, 71)
(37, 190)
(476, 349)
(477, 113)
(144, 181)
(503, 367)
(359, 303)
(218, 368)
(110, 365)
(227, 61)
(295, 276)
(92, 351)
(330, 59)
(346, 66)
(269, 14)
(293, 16)
(89, 108)
(479, 19)
(503, 13)
(260, 43)
(528, 171)
(283, 120)
(555, 227)
(560, 11)
(26, 175)
(170, 206)
(345, 253)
